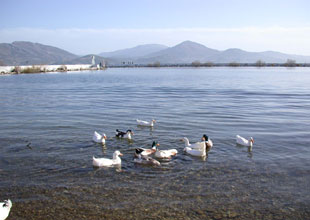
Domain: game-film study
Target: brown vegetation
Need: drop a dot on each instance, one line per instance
(234, 64)
(290, 63)
(62, 68)
(260, 63)
(156, 64)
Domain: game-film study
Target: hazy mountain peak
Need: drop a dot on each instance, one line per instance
(185, 52)
(190, 43)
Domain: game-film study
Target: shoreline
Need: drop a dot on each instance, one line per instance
(26, 69)
(31, 69)
(232, 64)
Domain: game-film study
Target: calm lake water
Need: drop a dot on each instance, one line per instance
(47, 122)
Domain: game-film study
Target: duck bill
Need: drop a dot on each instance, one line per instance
(120, 154)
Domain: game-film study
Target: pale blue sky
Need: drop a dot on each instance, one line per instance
(95, 26)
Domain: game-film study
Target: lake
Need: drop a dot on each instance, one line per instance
(47, 123)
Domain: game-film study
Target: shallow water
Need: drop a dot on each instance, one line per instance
(56, 115)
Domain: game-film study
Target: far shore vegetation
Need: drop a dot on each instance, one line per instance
(197, 63)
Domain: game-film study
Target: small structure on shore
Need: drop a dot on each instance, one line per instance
(93, 63)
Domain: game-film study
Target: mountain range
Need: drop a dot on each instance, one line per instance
(28, 53)
(188, 52)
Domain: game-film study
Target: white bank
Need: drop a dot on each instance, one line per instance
(49, 68)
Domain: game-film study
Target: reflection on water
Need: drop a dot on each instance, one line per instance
(47, 122)
(117, 168)
(248, 149)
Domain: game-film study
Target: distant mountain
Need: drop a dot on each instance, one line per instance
(241, 56)
(185, 52)
(135, 52)
(28, 53)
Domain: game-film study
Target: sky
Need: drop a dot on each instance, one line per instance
(94, 26)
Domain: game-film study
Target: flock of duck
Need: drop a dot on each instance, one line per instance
(143, 155)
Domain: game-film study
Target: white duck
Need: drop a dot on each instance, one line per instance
(147, 152)
(196, 152)
(165, 154)
(105, 162)
(242, 141)
(121, 134)
(196, 145)
(5, 208)
(146, 123)
(98, 138)
(143, 159)
(199, 149)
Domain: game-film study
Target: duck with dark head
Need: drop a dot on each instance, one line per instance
(147, 152)
(144, 159)
(121, 134)
(208, 142)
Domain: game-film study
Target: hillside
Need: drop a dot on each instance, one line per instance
(185, 52)
(28, 53)
(138, 51)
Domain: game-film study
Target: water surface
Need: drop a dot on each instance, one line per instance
(47, 122)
